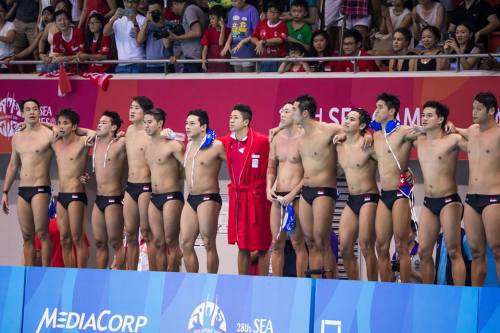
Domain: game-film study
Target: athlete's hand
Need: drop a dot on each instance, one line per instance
(85, 178)
(273, 132)
(168, 134)
(367, 140)
(286, 199)
(5, 204)
(449, 127)
(271, 195)
(20, 127)
(120, 134)
(339, 138)
(89, 140)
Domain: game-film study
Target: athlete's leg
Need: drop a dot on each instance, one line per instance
(171, 226)
(348, 232)
(146, 232)
(131, 218)
(208, 215)
(476, 237)
(491, 219)
(101, 238)
(278, 244)
(323, 208)
(401, 225)
(65, 236)
(40, 209)
(243, 262)
(114, 226)
(263, 262)
(367, 239)
(427, 236)
(25, 218)
(306, 223)
(76, 214)
(298, 244)
(450, 217)
(189, 233)
(383, 231)
(155, 218)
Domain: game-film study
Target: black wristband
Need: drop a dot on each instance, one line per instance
(5, 191)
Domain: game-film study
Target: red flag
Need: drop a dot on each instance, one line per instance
(64, 86)
(99, 79)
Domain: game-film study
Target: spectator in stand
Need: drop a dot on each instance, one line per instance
(243, 19)
(25, 23)
(320, 47)
(357, 16)
(462, 42)
(479, 15)
(68, 42)
(392, 18)
(351, 47)
(400, 44)
(153, 34)
(96, 46)
(427, 13)
(7, 37)
(269, 38)
(125, 24)
(107, 8)
(295, 50)
(213, 41)
(430, 39)
(194, 22)
(143, 7)
(299, 31)
(310, 15)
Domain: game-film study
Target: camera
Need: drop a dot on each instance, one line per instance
(161, 33)
(156, 16)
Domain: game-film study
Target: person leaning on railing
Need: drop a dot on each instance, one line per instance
(400, 46)
(95, 45)
(462, 42)
(430, 39)
(320, 47)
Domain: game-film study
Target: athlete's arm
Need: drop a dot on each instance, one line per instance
(293, 193)
(272, 171)
(179, 152)
(10, 175)
(222, 151)
(411, 133)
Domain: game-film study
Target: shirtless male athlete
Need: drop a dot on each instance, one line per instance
(284, 182)
(358, 217)
(165, 159)
(200, 215)
(32, 154)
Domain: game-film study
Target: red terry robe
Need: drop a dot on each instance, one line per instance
(249, 209)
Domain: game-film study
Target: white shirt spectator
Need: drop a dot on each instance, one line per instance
(126, 45)
(6, 50)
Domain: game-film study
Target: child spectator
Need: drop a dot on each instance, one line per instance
(351, 47)
(320, 47)
(269, 38)
(462, 42)
(310, 15)
(7, 37)
(107, 8)
(68, 42)
(298, 30)
(213, 41)
(243, 19)
(96, 46)
(295, 50)
(400, 43)
(430, 38)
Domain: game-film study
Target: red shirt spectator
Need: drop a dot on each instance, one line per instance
(265, 31)
(68, 47)
(348, 65)
(104, 49)
(211, 40)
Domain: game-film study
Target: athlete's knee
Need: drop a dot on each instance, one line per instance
(116, 243)
(382, 248)
(495, 250)
(425, 253)
(77, 238)
(478, 253)
(159, 243)
(146, 234)
(366, 247)
(66, 240)
(298, 244)
(455, 252)
(346, 251)
(28, 238)
(101, 244)
(277, 245)
(209, 244)
(131, 237)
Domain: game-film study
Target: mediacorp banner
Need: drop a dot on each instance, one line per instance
(264, 94)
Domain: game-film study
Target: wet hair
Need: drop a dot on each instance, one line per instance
(364, 118)
(307, 103)
(441, 110)
(144, 102)
(488, 100)
(21, 105)
(434, 31)
(71, 115)
(296, 47)
(300, 3)
(405, 32)
(217, 11)
(115, 119)
(358, 38)
(274, 4)
(62, 12)
(202, 116)
(157, 113)
(89, 36)
(328, 48)
(245, 111)
(391, 101)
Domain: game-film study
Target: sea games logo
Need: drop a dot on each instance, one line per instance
(10, 116)
(207, 317)
(105, 321)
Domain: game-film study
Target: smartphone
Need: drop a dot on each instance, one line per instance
(451, 35)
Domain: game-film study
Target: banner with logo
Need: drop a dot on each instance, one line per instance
(489, 310)
(89, 300)
(202, 303)
(265, 95)
(350, 306)
(11, 298)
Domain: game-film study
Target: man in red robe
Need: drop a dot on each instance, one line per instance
(247, 153)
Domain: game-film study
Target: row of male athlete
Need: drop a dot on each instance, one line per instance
(298, 169)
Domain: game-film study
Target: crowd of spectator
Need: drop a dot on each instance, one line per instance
(69, 31)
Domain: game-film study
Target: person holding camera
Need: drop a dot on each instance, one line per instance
(125, 24)
(194, 22)
(462, 42)
(154, 34)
